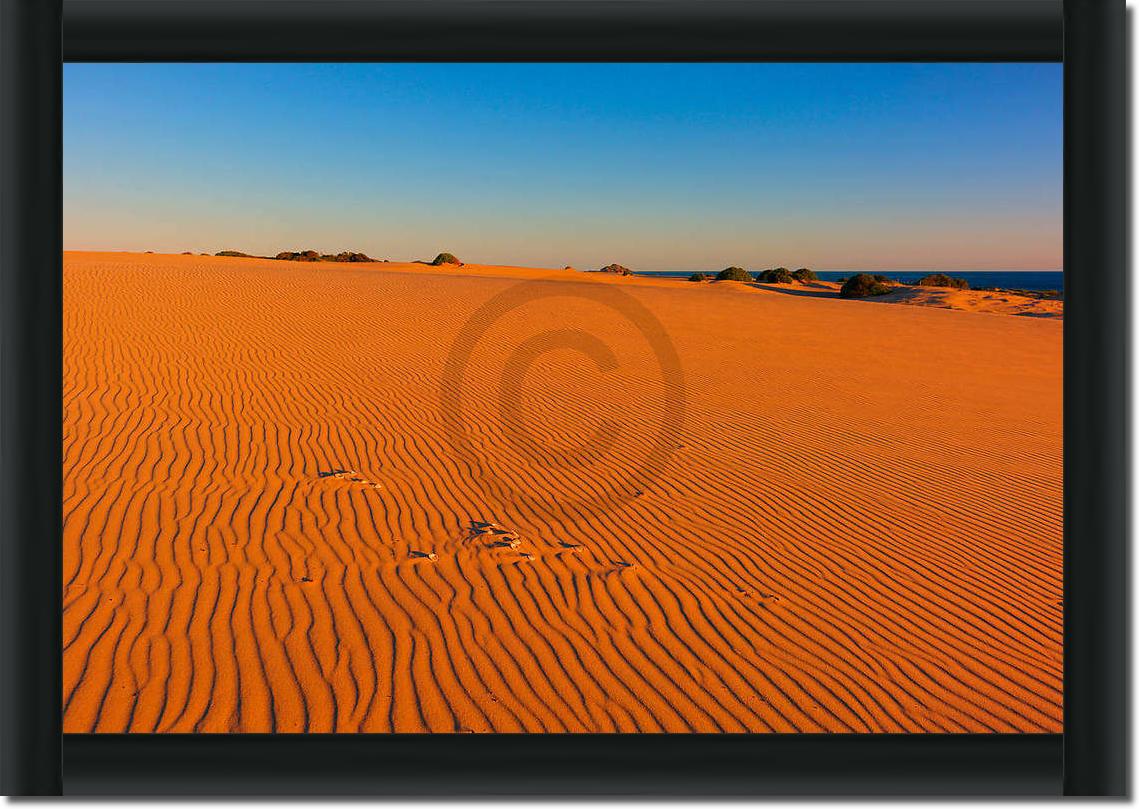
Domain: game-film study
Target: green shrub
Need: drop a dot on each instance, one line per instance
(882, 279)
(940, 279)
(347, 255)
(863, 286)
(780, 275)
(804, 275)
(312, 255)
(445, 258)
(733, 274)
(698, 276)
(235, 253)
(616, 269)
(304, 255)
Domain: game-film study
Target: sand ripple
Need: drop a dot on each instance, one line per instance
(266, 529)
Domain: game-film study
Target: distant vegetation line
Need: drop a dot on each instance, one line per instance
(304, 255)
(859, 285)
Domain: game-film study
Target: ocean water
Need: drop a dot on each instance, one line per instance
(1024, 279)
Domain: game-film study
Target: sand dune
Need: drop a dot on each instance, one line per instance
(982, 301)
(997, 302)
(269, 524)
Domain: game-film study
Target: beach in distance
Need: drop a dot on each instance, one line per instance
(1031, 280)
(356, 496)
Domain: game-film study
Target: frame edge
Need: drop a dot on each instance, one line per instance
(31, 384)
(564, 764)
(1095, 687)
(1096, 385)
(562, 30)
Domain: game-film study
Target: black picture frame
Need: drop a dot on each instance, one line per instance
(1088, 35)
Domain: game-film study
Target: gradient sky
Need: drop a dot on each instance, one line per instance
(832, 166)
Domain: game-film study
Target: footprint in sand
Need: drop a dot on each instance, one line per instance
(763, 598)
(349, 476)
(571, 550)
(619, 568)
(499, 536)
(493, 530)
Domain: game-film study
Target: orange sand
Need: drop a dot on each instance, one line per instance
(856, 527)
(997, 302)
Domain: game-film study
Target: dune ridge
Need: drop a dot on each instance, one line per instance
(267, 530)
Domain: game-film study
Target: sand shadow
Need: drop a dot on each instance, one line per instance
(804, 292)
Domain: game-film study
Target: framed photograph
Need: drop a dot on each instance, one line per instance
(479, 397)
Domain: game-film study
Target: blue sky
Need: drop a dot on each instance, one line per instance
(875, 166)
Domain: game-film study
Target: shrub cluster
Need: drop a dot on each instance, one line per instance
(698, 276)
(616, 269)
(804, 275)
(780, 275)
(234, 253)
(312, 255)
(446, 258)
(940, 279)
(303, 255)
(347, 255)
(864, 285)
(733, 274)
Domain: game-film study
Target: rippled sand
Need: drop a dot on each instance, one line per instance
(392, 497)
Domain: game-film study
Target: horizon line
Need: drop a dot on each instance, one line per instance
(711, 267)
